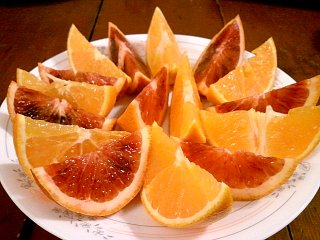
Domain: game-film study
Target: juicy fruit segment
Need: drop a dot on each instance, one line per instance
(98, 183)
(84, 57)
(162, 47)
(303, 93)
(162, 153)
(235, 131)
(293, 135)
(184, 114)
(36, 105)
(183, 194)
(223, 54)
(248, 175)
(48, 74)
(254, 77)
(57, 142)
(149, 106)
(91, 98)
(126, 58)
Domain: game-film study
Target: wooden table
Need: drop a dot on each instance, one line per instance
(33, 31)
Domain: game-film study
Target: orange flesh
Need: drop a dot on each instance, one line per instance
(100, 175)
(238, 169)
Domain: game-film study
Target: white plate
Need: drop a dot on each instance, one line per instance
(248, 220)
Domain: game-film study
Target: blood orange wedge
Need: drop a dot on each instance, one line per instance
(185, 104)
(47, 74)
(99, 183)
(223, 54)
(126, 58)
(39, 106)
(303, 93)
(84, 57)
(183, 194)
(293, 135)
(94, 99)
(254, 77)
(162, 152)
(248, 175)
(149, 106)
(162, 48)
(38, 143)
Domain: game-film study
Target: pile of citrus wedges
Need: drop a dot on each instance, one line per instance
(242, 147)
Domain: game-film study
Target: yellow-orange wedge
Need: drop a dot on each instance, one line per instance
(254, 77)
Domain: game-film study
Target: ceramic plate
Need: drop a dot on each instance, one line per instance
(247, 220)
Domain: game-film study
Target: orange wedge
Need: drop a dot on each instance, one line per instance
(162, 47)
(185, 104)
(91, 98)
(254, 77)
(84, 57)
(293, 135)
(57, 142)
(149, 106)
(223, 54)
(183, 194)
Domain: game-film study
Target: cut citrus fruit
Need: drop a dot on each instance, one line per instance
(183, 194)
(254, 77)
(162, 152)
(303, 93)
(38, 143)
(150, 104)
(223, 54)
(162, 48)
(293, 135)
(84, 57)
(185, 104)
(91, 98)
(34, 104)
(47, 74)
(248, 175)
(98, 183)
(126, 58)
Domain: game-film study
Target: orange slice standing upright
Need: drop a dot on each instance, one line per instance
(149, 106)
(223, 54)
(84, 57)
(127, 59)
(162, 48)
(254, 77)
(185, 104)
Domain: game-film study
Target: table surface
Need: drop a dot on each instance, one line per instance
(33, 31)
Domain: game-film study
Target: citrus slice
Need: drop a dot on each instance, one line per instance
(38, 143)
(36, 105)
(91, 98)
(162, 152)
(47, 74)
(98, 183)
(162, 48)
(254, 77)
(185, 104)
(293, 135)
(84, 57)
(126, 58)
(183, 194)
(303, 93)
(150, 104)
(223, 54)
(248, 175)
